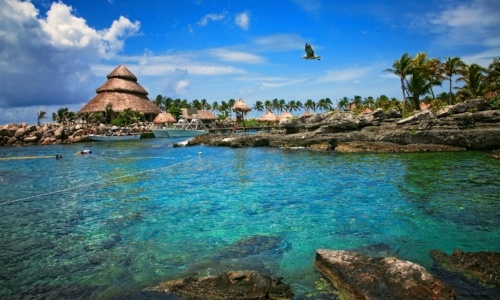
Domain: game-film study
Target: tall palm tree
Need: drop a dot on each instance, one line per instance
(310, 105)
(258, 106)
(343, 104)
(268, 104)
(40, 115)
(402, 68)
(452, 66)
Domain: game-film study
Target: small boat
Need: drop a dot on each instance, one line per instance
(114, 138)
(161, 132)
(184, 128)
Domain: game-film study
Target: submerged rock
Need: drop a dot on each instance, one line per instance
(495, 153)
(361, 277)
(350, 147)
(229, 285)
(482, 266)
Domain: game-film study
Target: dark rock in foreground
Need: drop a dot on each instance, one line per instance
(361, 277)
(229, 285)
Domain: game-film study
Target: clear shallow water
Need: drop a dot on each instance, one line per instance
(133, 214)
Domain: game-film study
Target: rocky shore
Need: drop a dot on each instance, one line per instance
(470, 125)
(61, 133)
(352, 274)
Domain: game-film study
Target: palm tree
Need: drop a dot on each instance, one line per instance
(451, 66)
(423, 73)
(343, 104)
(258, 106)
(493, 78)
(231, 103)
(474, 78)
(40, 115)
(310, 105)
(268, 105)
(402, 68)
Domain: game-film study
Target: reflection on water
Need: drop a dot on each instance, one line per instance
(133, 214)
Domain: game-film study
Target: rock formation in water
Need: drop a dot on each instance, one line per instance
(229, 285)
(357, 276)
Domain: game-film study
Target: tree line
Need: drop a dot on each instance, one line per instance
(418, 76)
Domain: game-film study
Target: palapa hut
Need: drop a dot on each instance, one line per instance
(121, 91)
(285, 115)
(163, 118)
(269, 117)
(305, 114)
(240, 108)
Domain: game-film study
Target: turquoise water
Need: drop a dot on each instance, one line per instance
(133, 214)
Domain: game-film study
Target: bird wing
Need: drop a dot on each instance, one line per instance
(309, 50)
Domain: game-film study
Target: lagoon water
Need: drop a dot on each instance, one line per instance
(133, 214)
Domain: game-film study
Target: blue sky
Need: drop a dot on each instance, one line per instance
(56, 54)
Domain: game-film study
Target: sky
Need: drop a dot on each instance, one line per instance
(55, 54)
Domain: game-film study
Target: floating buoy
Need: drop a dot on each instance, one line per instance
(199, 153)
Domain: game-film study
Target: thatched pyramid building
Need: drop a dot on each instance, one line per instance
(122, 91)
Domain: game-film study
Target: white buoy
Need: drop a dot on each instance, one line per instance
(199, 153)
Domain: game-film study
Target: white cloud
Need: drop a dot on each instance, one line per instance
(474, 23)
(236, 56)
(280, 42)
(68, 31)
(211, 17)
(47, 60)
(181, 86)
(243, 20)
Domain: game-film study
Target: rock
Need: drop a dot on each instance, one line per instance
(229, 285)
(354, 147)
(472, 105)
(417, 118)
(495, 153)
(482, 266)
(361, 277)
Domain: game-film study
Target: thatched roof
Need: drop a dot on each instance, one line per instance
(192, 113)
(122, 91)
(285, 115)
(269, 117)
(240, 105)
(164, 118)
(305, 114)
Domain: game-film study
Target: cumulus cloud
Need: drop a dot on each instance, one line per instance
(47, 60)
(211, 17)
(243, 20)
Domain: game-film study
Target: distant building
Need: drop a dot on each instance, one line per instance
(122, 91)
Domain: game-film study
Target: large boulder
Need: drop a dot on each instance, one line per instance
(472, 105)
(229, 285)
(362, 277)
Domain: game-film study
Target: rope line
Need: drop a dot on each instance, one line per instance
(95, 182)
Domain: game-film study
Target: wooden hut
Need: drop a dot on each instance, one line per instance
(121, 91)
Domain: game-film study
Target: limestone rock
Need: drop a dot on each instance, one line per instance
(362, 277)
(229, 285)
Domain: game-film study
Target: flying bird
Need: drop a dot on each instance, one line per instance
(310, 53)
